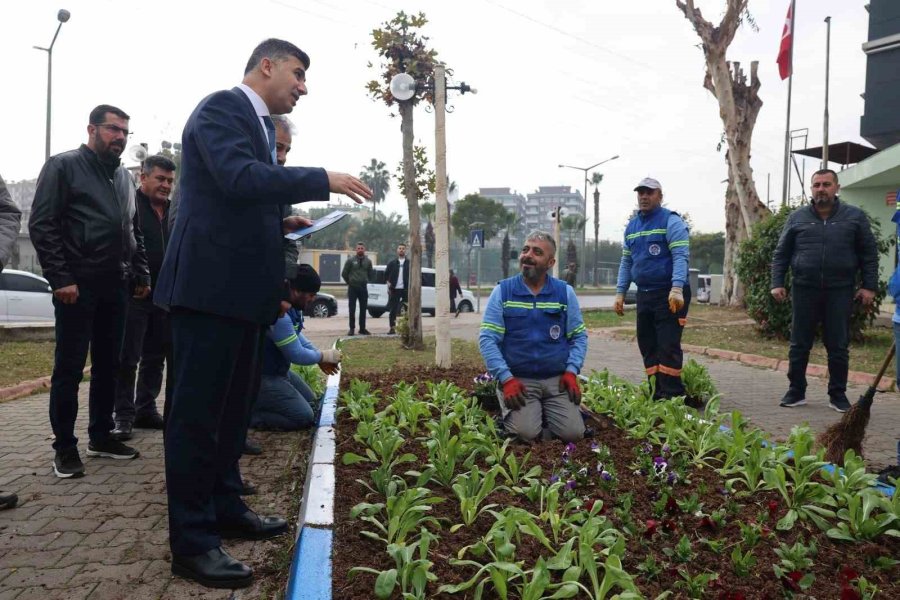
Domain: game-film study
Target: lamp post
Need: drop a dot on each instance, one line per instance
(584, 208)
(62, 16)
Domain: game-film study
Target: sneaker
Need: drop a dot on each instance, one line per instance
(112, 449)
(123, 432)
(151, 421)
(792, 399)
(68, 464)
(840, 403)
(364, 332)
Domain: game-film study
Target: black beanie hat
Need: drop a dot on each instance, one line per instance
(305, 279)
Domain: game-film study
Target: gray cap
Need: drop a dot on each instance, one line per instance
(648, 182)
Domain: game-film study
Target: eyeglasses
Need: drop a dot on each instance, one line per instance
(115, 129)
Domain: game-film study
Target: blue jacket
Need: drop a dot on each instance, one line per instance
(225, 254)
(656, 252)
(534, 336)
(286, 345)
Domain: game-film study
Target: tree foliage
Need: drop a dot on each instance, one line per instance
(378, 178)
(754, 267)
(477, 209)
(708, 251)
(425, 182)
(382, 234)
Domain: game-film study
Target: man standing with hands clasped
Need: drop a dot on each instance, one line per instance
(533, 342)
(223, 280)
(655, 256)
(825, 244)
(357, 273)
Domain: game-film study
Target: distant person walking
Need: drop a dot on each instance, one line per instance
(455, 290)
(92, 252)
(357, 273)
(825, 245)
(570, 274)
(396, 273)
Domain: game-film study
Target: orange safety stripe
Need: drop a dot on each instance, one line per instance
(682, 322)
(652, 370)
(669, 371)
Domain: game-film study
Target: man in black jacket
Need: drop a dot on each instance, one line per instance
(93, 255)
(396, 273)
(824, 244)
(147, 337)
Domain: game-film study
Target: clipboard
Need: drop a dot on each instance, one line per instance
(320, 224)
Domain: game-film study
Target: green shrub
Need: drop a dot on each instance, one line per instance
(754, 269)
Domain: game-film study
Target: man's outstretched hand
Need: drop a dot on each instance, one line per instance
(569, 383)
(514, 394)
(348, 185)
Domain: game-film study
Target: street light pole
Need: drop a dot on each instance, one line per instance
(583, 270)
(62, 16)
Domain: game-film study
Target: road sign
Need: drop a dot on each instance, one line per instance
(476, 238)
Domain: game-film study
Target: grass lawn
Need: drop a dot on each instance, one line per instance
(699, 314)
(382, 354)
(23, 361)
(865, 356)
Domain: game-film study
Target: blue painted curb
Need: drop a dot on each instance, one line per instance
(310, 574)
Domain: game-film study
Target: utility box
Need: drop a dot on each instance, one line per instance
(715, 293)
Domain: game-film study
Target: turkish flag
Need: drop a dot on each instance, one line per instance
(786, 51)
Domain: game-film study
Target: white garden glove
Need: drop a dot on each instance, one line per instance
(676, 299)
(331, 356)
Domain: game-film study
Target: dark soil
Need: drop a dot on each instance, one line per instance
(352, 549)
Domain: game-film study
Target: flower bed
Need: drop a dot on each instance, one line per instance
(432, 503)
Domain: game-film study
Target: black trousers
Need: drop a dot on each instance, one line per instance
(659, 339)
(215, 360)
(831, 308)
(148, 342)
(358, 294)
(397, 299)
(96, 320)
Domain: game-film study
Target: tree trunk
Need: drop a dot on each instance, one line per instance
(413, 338)
(739, 105)
(596, 231)
(504, 255)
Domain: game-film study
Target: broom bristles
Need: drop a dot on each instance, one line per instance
(846, 434)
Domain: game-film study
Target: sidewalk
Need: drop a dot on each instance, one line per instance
(105, 536)
(755, 392)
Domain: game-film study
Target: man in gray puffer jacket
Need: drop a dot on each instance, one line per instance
(825, 245)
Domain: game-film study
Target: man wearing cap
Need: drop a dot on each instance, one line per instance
(655, 256)
(284, 401)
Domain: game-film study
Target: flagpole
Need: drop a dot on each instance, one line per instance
(827, 69)
(786, 182)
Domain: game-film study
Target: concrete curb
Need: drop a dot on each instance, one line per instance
(310, 574)
(27, 388)
(812, 370)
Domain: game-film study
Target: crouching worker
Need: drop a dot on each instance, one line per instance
(533, 342)
(285, 400)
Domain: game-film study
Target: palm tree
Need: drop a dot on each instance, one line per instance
(427, 210)
(572, 225)
(596, 178)
(377, 177)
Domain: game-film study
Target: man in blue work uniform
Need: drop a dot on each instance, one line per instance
(533, 342)
(655, 256)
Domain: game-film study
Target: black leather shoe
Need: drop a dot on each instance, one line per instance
(251, 526)
(123, 431)
(249, 488)
(154, 421)
(215, 569)
(8, 500)
(252, 448)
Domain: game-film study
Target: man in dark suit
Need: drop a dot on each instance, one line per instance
(396, 273)
(222, 280)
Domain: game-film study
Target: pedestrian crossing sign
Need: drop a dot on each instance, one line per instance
(476, 238)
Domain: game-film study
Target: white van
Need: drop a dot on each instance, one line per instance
(25, 297)
(378, 294)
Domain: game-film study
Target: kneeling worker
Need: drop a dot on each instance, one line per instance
(533, 342)
(285, 400)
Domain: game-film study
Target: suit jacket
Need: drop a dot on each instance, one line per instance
(225, 254)
(392, 270)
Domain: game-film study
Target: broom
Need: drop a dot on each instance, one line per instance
(848, 433)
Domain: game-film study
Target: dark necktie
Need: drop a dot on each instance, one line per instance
(270, 134)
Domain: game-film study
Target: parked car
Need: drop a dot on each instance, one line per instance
(325, 305)
(378, 294)
(25, 297)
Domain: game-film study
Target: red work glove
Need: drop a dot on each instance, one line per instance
(514, 394)
(569, 383)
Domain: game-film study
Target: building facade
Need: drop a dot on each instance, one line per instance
(543, 202)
